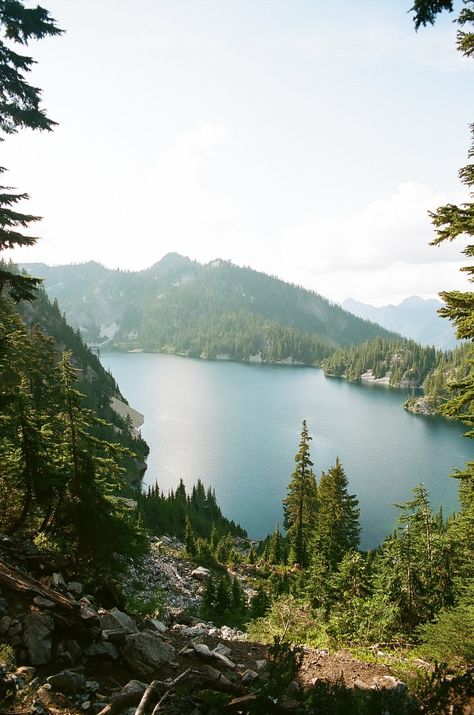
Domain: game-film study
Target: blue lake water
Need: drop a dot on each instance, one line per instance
(237, 427)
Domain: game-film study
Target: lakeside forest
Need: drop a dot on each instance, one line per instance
(70, 466)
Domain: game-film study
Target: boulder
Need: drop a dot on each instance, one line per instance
(222, 649)
(146, 652)
(154, 625)
(43, 602)
(37, 637)
(115, 619)
(102, 649)
(249, 676)
(75, 588)
(201, 573)
(68, 682)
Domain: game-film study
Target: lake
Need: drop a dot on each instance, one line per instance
(237, 428)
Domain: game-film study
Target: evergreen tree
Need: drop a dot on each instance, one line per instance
(338, 528)
(189, 539)
(300, 505)
(19, 108)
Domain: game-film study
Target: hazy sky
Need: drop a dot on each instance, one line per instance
(306, 139)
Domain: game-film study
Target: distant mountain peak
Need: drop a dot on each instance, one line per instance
(414, 317)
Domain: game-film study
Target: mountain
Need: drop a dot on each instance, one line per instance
(414, 318)
(217, 310)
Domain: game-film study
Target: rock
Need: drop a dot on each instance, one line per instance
(224, 660)
(293, 688)
(86, 705)
(261, 665)
(201, 573)
(154, 624)
(57, 580)
(115, 619)
(43, 602)
(37, 637)
(389, 682)
(249, 676)
(67, 682)
(102, 649)
(117, 637)
(193, 631)
(180, 616)
(74, 649)
(75, 588)
(26, 673)
(202, 650)
(222, 649)
(15, 629)
(146, 652)
(5, 623)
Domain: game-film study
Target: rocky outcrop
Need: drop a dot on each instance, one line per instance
(146, 653)
(38, 637)
(422, 406)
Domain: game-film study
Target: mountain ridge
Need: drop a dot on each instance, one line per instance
(202, 310)
(415, 318)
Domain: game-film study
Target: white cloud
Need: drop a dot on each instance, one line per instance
(380, 253)
(392, 229)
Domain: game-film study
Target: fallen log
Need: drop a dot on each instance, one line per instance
(66, 611)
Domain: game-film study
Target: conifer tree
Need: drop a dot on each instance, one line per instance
(338, 528)
(189, 539)
(19, 108)
(300, 505)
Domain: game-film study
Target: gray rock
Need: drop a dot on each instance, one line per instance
(389, 682)
(43, 602)
(261, 665)
(74, 649)
(201, 573)
(156, 625)
(37, 637)
(202, 650)
(146, 652)
(249, 676)
(57, 580)
(222, 649)
(223, 659)
(75, 588)
(67, 682)
(117, 637)
(115, 619)
(102, 649)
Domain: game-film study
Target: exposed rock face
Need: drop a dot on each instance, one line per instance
(146, 652)
(68, 682)
(37, 637)
(421, 406)
(115, 619)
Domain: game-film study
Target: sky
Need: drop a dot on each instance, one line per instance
(305, 139)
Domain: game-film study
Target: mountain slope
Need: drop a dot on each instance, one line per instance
(98, 386)
(212, 310)
(413, 318)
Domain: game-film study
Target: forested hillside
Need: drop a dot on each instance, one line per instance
(406, 364)
(218, 309)
(96, 384)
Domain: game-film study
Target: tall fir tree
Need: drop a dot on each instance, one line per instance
(301, 503)
(20, 107)
(338, 529)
